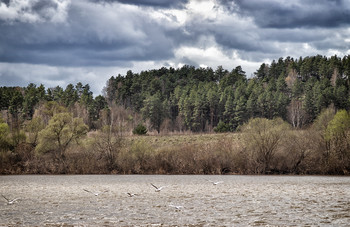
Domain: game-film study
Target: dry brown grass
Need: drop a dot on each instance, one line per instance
(181, 154)
(163, 142)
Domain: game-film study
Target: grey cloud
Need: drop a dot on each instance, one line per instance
(229, 35)
(294, 35)
(11, 79)
(295, 14)
(238, 41)
(335, 44)
(89, 39)
(33, 11)
(23, 74)
(187, 61)
(138, 34)
(7, 2)
(151, 3)
(43, 8)
(262, 40)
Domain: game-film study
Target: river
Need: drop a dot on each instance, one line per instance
(185, 200)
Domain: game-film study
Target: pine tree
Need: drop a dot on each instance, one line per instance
(153, 110)
(229, 112)
(240, 114)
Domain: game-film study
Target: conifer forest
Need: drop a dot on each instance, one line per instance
(290, 117)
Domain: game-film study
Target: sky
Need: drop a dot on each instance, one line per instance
(58, 42)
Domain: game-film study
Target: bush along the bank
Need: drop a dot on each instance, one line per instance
(140, 129)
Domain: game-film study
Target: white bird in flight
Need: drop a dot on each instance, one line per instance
(215, 182)
(158, 189)
(10, 201)
(132, 194)
(177, 207)
(95, 193)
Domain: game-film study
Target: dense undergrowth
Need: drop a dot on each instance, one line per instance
(261, 147)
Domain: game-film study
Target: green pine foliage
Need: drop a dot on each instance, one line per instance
(197, 99)
(140, 129)
(222, 127)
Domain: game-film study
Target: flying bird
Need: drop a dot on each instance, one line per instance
(158, 189)
(95, 193)
(177, 207)
(215, 182)
(132, 194)
(10, 201)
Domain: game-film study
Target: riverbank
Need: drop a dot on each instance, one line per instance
(225, 153)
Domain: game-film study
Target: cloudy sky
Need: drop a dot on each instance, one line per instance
(57, 42)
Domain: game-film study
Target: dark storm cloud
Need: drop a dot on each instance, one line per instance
(151, 3)
(90, 38)
(43, 5)
(71, 40)
(294, 35)
(43, 8)
(331, 43)
(257, 30)
(117, 33)
(7, 2)
(238, 40)
(230, 35)
(294, 14)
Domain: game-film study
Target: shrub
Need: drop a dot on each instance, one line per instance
(262, 137)
(222, 127)
(60, 133)
(140, 129)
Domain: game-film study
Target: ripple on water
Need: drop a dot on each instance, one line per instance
(239, 201)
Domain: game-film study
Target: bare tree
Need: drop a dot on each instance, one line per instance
(297, 148)
(296, 114)
(109, 143)
(262, 138)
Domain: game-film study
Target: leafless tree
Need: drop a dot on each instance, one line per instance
(296, 114)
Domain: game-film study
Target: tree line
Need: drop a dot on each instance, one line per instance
(198, 99)
(38, 121)
(201, 99)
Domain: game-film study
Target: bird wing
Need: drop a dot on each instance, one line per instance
(88, 191)
(5, 198)
(154, 186)
(14, 200)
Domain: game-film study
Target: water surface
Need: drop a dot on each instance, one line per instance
(238, 201)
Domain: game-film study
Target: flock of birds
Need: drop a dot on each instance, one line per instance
(157, 189)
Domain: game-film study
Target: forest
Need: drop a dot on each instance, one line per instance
(290, 117)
